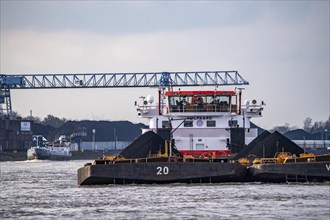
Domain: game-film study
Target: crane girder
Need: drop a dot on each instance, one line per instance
(112, 80)
(102, 80)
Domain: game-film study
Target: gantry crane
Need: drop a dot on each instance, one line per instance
(112, 80)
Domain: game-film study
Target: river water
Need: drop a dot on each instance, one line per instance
(49, 190)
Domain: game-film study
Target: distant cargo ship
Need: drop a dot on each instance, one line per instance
(49, 153)
(57, 151)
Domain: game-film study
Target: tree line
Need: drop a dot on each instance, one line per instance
(308, 126)
(50, 120)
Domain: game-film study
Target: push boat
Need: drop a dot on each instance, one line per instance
(203, 126)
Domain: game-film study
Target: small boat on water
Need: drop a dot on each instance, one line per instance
(59, 150)
(289, 168)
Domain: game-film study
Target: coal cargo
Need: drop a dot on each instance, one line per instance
(267, 145)
(245, 151)
(145, 145)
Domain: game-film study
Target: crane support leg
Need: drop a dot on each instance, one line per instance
(5, 102)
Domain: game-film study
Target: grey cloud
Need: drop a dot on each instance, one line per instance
(124, 17)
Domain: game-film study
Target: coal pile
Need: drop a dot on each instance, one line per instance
(147, 144)
(245, 151)
(267, 145)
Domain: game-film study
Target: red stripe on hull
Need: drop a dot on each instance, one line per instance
(196, 153)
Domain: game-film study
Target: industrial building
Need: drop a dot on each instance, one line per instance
(15, 134)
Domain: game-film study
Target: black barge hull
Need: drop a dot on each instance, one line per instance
(290, 172)
(161, 172)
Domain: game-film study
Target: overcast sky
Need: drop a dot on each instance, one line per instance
(280, 47)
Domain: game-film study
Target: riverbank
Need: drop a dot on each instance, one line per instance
(76, 155)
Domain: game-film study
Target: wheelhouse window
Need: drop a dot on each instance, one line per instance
(204, 101)
(178, 103)
(224, 99)
(233, 101)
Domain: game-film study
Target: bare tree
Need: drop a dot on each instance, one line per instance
(53, 121)
(320, 126)
(33, 118)
(308, 124)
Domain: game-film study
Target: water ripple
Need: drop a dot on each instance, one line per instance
(48, 190)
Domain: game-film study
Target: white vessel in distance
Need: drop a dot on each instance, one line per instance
(59, 150)
(202, 123)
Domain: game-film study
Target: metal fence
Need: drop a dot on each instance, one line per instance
(110, 145)
(313, 144)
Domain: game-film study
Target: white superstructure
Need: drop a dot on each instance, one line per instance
(201, 122)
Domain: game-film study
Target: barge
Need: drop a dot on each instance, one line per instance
(160, 170)
(288, 168)
(151, 159)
